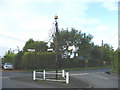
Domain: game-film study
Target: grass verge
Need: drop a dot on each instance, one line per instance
(72, 69)
(87, 68)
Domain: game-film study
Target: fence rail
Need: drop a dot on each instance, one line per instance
(63, 74)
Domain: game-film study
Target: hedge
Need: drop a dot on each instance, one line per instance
(10, 58)
(32, 60)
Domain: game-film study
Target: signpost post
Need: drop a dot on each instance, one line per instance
(56, 27)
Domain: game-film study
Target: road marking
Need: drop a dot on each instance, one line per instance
(79, 74)
(4, 77)
(99, 76)
(92, 74)
(97, 72)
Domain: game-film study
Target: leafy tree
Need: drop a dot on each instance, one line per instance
(28, 45)
(95, 56)
(85, 49)
(107, 54)
(116, 62)
(39, 46)
(85, 46)
(73, 38)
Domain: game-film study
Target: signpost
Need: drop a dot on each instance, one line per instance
(56, 61)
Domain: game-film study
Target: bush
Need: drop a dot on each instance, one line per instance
(115, 62)
(32, 60)
(10, 58)
(18, 60)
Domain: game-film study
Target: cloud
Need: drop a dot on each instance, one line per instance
(98, 28)
(17, 15)
(24, 19)
(22, 36)
(86, 20)
(3, 50)
(13, 39)
(112, 6)
(102, 28)
(111, 39)
(37, 23)
(75, 6)
(57, 1)
(37, 27)
(67, 1)
(114, 42)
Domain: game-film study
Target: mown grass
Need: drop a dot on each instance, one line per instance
(88, 68)
(72, 69)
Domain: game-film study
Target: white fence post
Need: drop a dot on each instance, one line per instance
(34, 75)
(63, 73)
(67, 77)
(43, 74)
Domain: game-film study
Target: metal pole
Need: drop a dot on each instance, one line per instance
(56, 61)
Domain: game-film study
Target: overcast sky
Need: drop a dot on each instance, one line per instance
(21, 20)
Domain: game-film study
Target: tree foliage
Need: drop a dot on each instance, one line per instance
(39, 46)
(18, 60)
(10, 58)
(32, 60)
(85, 53)
(73, 38)
(96, 55)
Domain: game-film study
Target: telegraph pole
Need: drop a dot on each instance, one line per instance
(56, 61)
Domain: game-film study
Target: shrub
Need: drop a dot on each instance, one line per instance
(10, 58)
(32, 60)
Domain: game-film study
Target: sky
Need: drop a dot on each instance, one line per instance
(21, 20)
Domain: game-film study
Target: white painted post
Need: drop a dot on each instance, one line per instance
(34, 75)
(43, 74)
(63, 73)
(67, 77)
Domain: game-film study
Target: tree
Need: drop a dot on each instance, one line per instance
(28, 45)
(95, 56)
(107, 54)
(116, 62)
(73, 38)
(39, 46)
(85, 46)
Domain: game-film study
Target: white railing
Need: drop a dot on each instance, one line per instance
(63, 74)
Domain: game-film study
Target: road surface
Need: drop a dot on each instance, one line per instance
(24, 80)
(97, 78)
(79, 79)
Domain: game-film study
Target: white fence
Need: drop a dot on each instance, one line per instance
(44, 74)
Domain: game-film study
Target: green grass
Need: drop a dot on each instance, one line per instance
(88, 68)
(41, 80)
(71, 69)
(115, 71)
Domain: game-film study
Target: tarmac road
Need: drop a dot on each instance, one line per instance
(24, 80)
(78, 79)
(97, 78)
